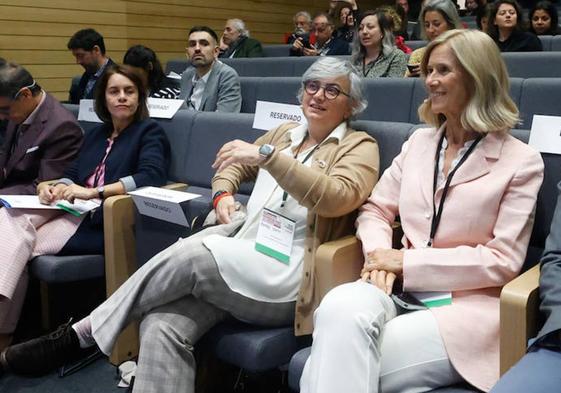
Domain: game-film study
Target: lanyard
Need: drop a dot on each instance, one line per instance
(285, 194)
(436, 216)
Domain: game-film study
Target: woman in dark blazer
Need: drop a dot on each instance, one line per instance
(126, 152)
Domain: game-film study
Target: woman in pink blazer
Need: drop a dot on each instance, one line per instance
(465, 192)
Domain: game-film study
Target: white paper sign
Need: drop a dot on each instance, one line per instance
(24, 202)
(87, 112)
(545, 135)
(162, 204)
(163, 108)
(269, 115)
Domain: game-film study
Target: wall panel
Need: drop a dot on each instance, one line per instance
(35, 32)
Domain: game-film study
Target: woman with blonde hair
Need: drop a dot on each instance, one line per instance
(465, 191)
(437, 16)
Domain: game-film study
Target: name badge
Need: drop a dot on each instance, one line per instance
(275, 235)
(434, 299)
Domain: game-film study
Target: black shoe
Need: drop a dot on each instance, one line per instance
(44, 354)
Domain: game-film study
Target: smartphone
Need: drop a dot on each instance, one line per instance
(412, 67)
(407, 301)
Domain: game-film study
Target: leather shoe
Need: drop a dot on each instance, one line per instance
(44, 354)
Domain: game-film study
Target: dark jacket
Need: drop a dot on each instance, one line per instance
(520, 41)
(550, 278)
(77, 91)
(244, 47)
(43, 151)
(141, 151)
(335, 47)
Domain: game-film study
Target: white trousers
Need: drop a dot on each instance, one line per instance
(361, 346)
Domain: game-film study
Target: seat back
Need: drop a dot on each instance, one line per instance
(389, 135)
(533, 64)
(545, 206)
(389, 99)
(276, 50)
(546, 41)
(273, 89)
(416, 44)
(556, 43)
(539, 96)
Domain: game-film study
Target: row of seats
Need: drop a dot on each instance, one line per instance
(519, 64)
(195, 138)
(397, 99)
(549, 43)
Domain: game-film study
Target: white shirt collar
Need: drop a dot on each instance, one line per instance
(298, 133)
(204, 78)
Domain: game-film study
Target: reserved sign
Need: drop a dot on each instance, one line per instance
(159, 108)
(162, 203)
(545, 135)
(269, 115)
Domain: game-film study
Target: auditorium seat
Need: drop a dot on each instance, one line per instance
(533, 64)
(546, 42)
(416, 44)
(274, 89)
(276, 50)
(541, 96)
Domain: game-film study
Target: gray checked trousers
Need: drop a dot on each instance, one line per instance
(178, 296)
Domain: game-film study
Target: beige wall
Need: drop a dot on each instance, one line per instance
(35, 32)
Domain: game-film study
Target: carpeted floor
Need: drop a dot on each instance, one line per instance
(99, 377)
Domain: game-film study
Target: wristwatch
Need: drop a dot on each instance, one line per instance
(100, 191)
(266, 150)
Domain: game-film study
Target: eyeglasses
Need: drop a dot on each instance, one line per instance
(5, 110)
(330, 90)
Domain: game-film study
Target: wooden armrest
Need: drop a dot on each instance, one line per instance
(337, 262)
(120, 261)
(519, 316)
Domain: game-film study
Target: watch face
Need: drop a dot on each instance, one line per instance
(266, 150)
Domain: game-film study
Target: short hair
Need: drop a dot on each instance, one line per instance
(205, 29)
(327, 16)
(86, 39)
(494, 29)
(551, 11)
(490, 107)
(305, 14)
(239, 25)
(13, 78)
(332, 67)
(145, 58)
(446, 8)
(386, 27)
(134, 76)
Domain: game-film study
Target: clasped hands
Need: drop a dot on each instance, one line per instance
(50, 193)
(382, 267)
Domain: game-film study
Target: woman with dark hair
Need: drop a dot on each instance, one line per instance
(544, 19)
(158, 84)
(126, 152)
(482, 18)
(347, 17)
(506, 28)
(374, 50)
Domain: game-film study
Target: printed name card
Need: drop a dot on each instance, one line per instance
(162, 108)
(269, 115)
(162, 203)
(87, 112)
(545, 135)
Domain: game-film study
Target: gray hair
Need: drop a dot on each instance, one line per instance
(239, 25)
(14, 77)
(333, 67)
(448, 11)
(305, 14)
